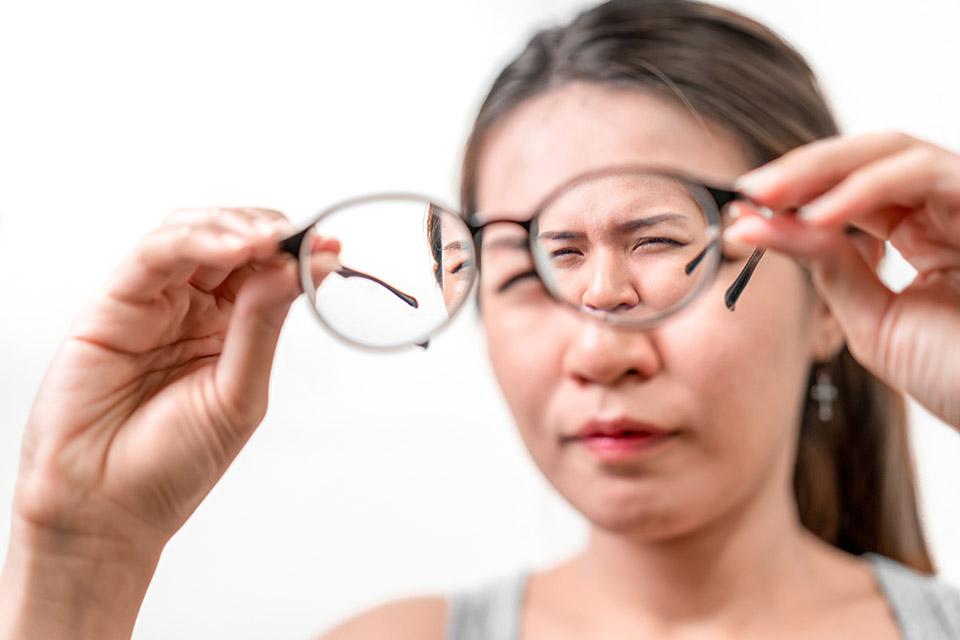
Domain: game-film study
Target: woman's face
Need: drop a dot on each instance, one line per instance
(659, 432)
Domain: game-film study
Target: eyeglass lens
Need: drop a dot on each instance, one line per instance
(406, 266)
(630, 247)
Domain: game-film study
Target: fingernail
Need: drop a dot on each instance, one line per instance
(755, 182)
(731, 235)
(744, 227)
(815, 209)
(740, 209)
(325, 261)
(765, 212)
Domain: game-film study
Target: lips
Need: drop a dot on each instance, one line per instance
(618, 428)
(619, 440)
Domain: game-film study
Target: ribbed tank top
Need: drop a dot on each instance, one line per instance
(925, 607)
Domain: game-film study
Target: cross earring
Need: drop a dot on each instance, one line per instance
(826, 394)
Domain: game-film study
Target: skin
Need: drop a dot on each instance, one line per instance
(164, 377)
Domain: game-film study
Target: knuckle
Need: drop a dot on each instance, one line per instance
(273, 214)
(179, 215)
(925, 161)
(894, 138)
(270, 216)
(926, 154)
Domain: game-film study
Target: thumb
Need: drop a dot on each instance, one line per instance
(260, 308)
(858, 299)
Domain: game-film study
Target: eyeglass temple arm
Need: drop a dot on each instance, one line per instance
(734, 290)
(292, 245)
(347, 272)
(724, 197)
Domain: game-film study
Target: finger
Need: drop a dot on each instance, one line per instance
(214, 279)
(782, 233)
(808, 171)
(872, 231)
(262, 222)
(229, 288)
(272, 214)
(320, 243)
(879, 224)
(230, 284)
(241, 220)
(858, 300)
(208, 279)
(173, 253)
(238, 218)
(895, 185)
(262, 303)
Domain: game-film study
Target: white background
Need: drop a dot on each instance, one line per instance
(373, 476)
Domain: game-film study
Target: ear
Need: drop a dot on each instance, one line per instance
(828, 338)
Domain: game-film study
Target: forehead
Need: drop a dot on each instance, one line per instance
(580, 127)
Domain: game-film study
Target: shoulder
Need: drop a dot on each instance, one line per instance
(485, 611)
(924, 605)
(421, 618)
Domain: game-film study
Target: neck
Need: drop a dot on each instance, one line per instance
(753, 558)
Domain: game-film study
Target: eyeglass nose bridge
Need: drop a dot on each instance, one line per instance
(477, 226)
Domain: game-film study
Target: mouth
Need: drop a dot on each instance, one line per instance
(621, 440)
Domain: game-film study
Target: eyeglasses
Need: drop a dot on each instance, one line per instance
(627, 246)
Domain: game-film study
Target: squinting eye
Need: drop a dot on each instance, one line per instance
(659, 241)
(463, 265)
(564, 252)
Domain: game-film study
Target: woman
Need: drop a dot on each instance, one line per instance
(678, 443)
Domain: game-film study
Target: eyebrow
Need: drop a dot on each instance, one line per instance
(626, 226)
(456, 244)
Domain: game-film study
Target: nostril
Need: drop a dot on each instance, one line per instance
(620, 307)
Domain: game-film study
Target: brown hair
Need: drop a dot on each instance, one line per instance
(853, 480)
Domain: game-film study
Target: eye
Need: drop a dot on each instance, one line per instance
(658, 243)
(565, 252)
(461, 266)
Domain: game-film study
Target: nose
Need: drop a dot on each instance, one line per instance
(602, 354)
(609, 284)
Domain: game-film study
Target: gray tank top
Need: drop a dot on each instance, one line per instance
(926, 608)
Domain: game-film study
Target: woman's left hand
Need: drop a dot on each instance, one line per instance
(891, 187)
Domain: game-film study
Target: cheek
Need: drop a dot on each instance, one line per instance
(748, 366)
(525, 348)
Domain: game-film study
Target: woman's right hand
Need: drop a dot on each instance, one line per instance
(160, 382)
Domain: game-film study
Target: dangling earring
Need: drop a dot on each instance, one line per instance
(825, 393)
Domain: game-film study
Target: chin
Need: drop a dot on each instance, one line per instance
(646, 513)
(642, 525)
